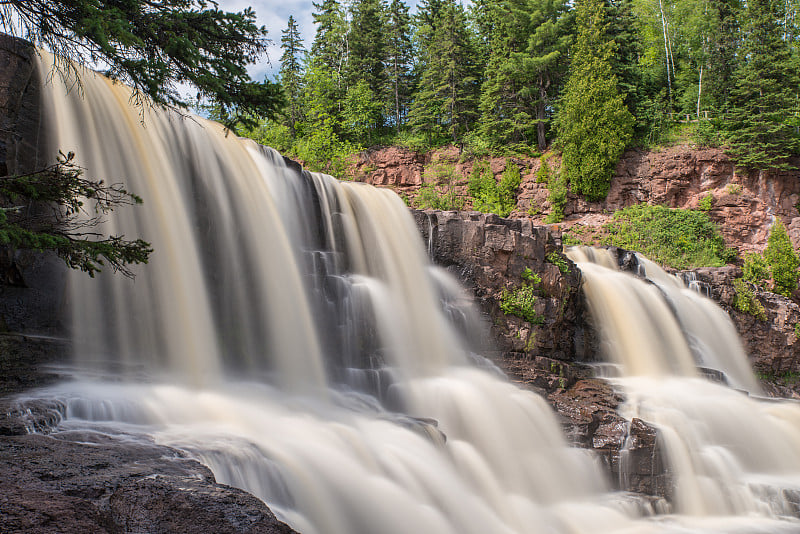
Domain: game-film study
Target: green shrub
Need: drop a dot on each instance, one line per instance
(520, 302)
(782, 259)
(745, 300)
(531, 277)
(431, 197)
(559, 261)
(705, 134)
(755, 268)
(488, 196)
(706, 203)
(677, 238)
(543, 172)
(733, 189)
(557, 199)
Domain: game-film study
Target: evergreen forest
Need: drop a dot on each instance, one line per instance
(588, 78)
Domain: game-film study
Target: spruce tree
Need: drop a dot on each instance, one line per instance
(528, 46)
(367, 47)
(764, 97)
(446, 100)
(292, 72)
(155, 46)
(329, 48)
(399, 59)
(593, 124)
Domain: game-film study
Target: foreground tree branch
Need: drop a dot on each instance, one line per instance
(56, 209)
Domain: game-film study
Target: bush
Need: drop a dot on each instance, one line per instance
(677, 238)
(492, 197)
(745, 300)
(782, 259)
(430, 197)
(559, 261)
(755, 269)
(520, 302)
(706, 203)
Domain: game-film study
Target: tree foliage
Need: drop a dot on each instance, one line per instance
(782, 259)
(292, 72)
(764, 98)
(593, 124)
(58, 209)
(154, 46)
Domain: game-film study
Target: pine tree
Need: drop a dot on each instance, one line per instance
(764, 98)
(593, 124)
(330, 40)
(446, 100)
(292, 72)
(399, 58)
(367, 47)
(782, 259)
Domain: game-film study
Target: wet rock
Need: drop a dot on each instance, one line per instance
(91, 482)
(489, 254)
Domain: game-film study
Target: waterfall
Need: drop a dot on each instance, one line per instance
(730, 452)
(290, 333)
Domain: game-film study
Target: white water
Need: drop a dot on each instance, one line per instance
(731, 454)
(288, 333)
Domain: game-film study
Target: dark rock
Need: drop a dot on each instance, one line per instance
(489, 254)
(92, 482)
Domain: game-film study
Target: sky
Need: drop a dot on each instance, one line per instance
(274, 14)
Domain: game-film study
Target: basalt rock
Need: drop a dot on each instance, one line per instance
(87, 481)
(489, 255)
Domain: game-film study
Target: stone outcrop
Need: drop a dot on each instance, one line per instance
(32, 285)
(90, 482)
(772, 344)
(744, 205)
(488, 254)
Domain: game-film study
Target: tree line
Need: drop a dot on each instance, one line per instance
(588, 77)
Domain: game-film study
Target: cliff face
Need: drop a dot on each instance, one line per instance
(744, 206)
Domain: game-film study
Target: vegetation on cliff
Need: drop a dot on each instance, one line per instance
(678, 238)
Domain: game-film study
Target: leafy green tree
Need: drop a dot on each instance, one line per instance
(764, 99)
(28, 223)
(593, 124)
(292, 72)
(154, 46)
(399, 59)
(446, 100)
(782, 259)
(360, 113)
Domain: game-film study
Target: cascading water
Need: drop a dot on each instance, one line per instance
(730, 453)
(289, 333)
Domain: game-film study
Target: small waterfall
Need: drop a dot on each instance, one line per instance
(731, 454)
